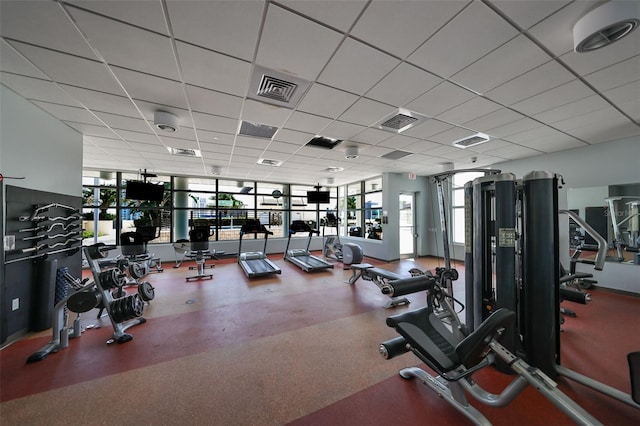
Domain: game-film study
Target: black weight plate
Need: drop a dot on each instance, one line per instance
(146, 291)
(83, 301)
(136, 270)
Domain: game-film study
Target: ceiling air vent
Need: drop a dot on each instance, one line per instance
(400, 120)
(395, 155)
(472, 140)
(333, 169)
(184, 152)
(276, 87)
(257, 130)
(324, 142)
(267, 162)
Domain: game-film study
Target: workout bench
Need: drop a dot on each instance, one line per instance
(392, 284)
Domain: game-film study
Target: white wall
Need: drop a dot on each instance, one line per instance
(39, 147)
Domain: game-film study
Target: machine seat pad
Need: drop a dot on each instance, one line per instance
(382, 273)
(426, 333)
(410, 285)
(473, 348)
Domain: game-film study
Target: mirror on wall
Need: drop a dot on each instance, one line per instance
(614, 212)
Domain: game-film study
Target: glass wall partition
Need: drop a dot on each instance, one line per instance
(373, 208)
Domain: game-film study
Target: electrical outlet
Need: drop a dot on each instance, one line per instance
(15, 304)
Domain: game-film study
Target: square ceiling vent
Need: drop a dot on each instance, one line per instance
(400, 120)
(276, 87)
(267, 162)
(257, 130)
(184, 152)
(472, 140)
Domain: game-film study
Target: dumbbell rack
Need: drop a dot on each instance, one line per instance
(124, 312)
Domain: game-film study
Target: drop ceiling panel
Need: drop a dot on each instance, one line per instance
(33, 88)
(536, 81)
(13, 62)
(573, 109)
(400, 31)
(341, 130)
(439, 99)
(337, 14)
(144, 137)
(144, 148)
(307, 122)
(127, 46)
(69, 113)
(231, 26)
(615, 128)
(366, 112)
(212, 102)
(513, 128)
(91, 130)
(627, 98)
(493, 119)
(179, 143)
(105, 102)
(42, 23)
(561, 95)
(259, 112)
(371, 136)
(616, 75)
(326, 101)
(295, 45)
(215, 122)
(527, 13)
(116, 121)
(201, 67)
(453, 134)
(145, 14)
(403, 84)
(619, 51)
(397, 142)
(215, 137)
(469, 110)
(293, 137)
(428, 128)
(602, 117)
(356, 67)
(477, 30)
(151, 88)
(508, 61)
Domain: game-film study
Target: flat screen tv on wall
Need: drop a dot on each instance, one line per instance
(318, 197)
(145, 191)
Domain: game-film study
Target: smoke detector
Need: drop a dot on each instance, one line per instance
(165, 121)
(605, 25)
(351, 152)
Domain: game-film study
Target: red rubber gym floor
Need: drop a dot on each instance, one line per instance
(297, 348)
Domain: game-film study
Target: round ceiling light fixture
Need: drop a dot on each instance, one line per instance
(605, 25)
(351, 152)
(165, 121)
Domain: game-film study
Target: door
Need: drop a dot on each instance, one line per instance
(407, 231)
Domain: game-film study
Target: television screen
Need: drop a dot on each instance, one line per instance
(146, 191)
(318, 197)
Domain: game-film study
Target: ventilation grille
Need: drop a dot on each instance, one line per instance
(184, 152)
(267, 162)
(473, 140)
(274, 88)
(324, 142)
(400, 121)
(395, 155)
(334, 169)
(257, 130)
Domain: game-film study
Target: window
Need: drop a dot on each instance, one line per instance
(457, 203)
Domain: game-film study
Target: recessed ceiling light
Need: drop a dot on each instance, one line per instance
(165, 121)
(351, 152)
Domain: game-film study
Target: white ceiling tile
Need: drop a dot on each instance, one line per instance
(475, 32)
(231, 26)
(338, 14)
(146, 14)
(69, 113)
(356, 67)
(538, 80)
(33, 88)
(205, 136)
(342, 130)
(293, 137)
(573, 109)
(69, 69)
(144, 137)
(212, 102)
(474, 108)
(42, 23)
(439, 99)
(295, 45)
(201, 67)
(366, 112)
(556, 31)
(13, 62)
(127, 46)
(560, 143)
(531, 134)
(151, 88)
(326, 101)
(307, 122)
(526, 13)
(616, 75)
(599, 126)
(620, 51)
(399, 31)
(405, 83)
(514, 58)
(450, 136)
(99, 101)
(627, 98)
(371, 136)
(215, 123)
(259, 112)
(116, 121)
(92, 130)
(420, 146)
(513, 127)
(563, 94)
(428, 128)
(493, 120)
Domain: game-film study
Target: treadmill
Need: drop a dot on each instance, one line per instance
(303, 257)
(255, 263)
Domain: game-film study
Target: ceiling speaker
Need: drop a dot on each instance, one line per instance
(165, 121)
(605, 25)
